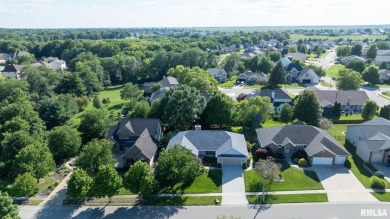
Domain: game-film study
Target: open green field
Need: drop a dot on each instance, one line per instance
(181, 201)
(294, 179)
(333, 70)
(344, 37)
(290, 198)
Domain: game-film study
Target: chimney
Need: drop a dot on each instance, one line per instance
(273, 96)
(198, 127)
(349, 100)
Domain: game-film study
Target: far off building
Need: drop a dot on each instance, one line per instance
(12, 71)
(219, 74)
(251, 77)
(278, 97)
(229, 148)
(372, 140)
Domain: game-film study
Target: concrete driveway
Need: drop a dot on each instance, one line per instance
(233, 187)
(341, 185)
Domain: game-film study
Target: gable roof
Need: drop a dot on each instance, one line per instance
(294, 65)
(216, 71)
(306, 70)
(296, 55)
(4, 56)
(384, 73)
(250, 74)
(315, 139)
(352, 58)
(210, 140)
(279, 94)
(12, 68)
(382, 59)
(341, 96)
(144, 147)
(158, 94)
(169, 81)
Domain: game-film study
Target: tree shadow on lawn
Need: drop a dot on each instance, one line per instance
(312, 175)
(115, 87)
(216, 176)
(115, 107)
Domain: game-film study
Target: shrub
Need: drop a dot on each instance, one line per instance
(300, 154)
(244, 166)
(219, 165)
(248, 162)
(263, 153)
(380, 174)
(209, 161)
(347, 164)
(370, 166)
(279, 156)
(302, 162)
(377, 183)
(295, 160)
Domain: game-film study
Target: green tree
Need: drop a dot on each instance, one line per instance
(79, 184)
(42, 80)
(24, 185)
(356, 65)
(337, 109)
(343, 51)
(89, 77)
(94, 124)
(286, 114)
(265, 65)
(277, 76)
(292, 49)
(181, 106)
(131, 91)
(96, 102)
(156, 86)
(35, 159)
(57, 110)
(232, 63)
(139, 179)
(107, 182)
(82, 102)
(64, 142)
(7, 209)
(17, 123)
(71, 83)
(246, 111)
(318, 70)
(385, 112)
(25, 59)
(371, 52)
(382, 45)
(370, 109)
(176, 165)
(218, 110)
(94, 154)
(140, 110)
(307, 108)
(349, 80)
(356, 50)
(371, 75)
(275, 56)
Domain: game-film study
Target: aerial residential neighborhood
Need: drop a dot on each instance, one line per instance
(193, 109)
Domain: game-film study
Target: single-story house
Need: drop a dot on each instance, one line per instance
(308, 76)
(4, 57)
(320, 146)
(278, 97)
(229, 148)
(384, 75)
(380, 59)
(349, 100)
(292, 71)
(347, 59)
(296, 55)
(371, 139)
(219, 74)
(135, 139)
(250, 77)
(12, 71)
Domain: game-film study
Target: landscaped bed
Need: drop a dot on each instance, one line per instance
(294, 179)
(382, 196)
(289, 198)
(181, 201)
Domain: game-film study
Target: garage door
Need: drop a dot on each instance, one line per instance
(339, 160)
(376, 158)
(231, 161)
(322, 161)
(306, 81)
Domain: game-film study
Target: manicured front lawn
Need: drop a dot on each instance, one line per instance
(123, 191)
(49, 181)
(230, 83)
(291, 198)
(294, 179)
(382, 196)
(34, 201)
(337, 132)
(210, 182)
(272, 123)
(181, 201)
(333, 70)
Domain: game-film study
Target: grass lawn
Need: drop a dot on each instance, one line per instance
(382, 196)
(333, 70)
(230, 83)
(325, 84)
(291, 198)
(336, 131)
(291, 95)
(34, 202)
(272, 123)
(210, 182)
(294, 179)
(49, 181)
(387, 94)
(123, 191)
(236, 129)
(344, 37)
(181, 200)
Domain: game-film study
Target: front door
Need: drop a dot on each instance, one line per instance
(287, 149)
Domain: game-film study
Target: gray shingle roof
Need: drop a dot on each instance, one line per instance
(279, 94)
(347, 59)
(294, 65)
(382, 59)
(169, 81)
(210, 140)
(341, 96)
(216, 71)
(296, 55)
(314, 138)
(144, 147)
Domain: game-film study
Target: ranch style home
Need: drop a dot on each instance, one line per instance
(319, 145)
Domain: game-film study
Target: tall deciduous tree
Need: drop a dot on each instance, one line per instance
(218, 110)
(131, 91)
(140, 110)
(307, 108)
(247, 110)
(265, 65)
(277, 76)
(139, 179)
(176, 165)
(385, 112)
(181, 106)
(94, 154)
(349, 80)
(356, 65)
(64, 142)
(286, 113)
(343, 51)
(371, 75)
(94, 124)
(79, 184)
(371, 52)
(35, 159)
(7, 209)
(24, 185)
(275, 56)
(356, 50)
(370, 109)
(107, 182)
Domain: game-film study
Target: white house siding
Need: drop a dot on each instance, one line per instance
(363, 152)
(376, 157)
(310, 75)
(10, 75)
(353, 135)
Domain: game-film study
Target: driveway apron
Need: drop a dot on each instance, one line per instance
(233, 187)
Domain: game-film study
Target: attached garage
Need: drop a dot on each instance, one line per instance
(322, 161)
(376, 157)
(306, 81)
(339, 160)
(231, 161)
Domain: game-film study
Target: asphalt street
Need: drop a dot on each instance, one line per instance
(302, 211)
(327, 60)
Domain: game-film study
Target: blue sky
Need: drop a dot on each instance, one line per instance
(189, 13)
